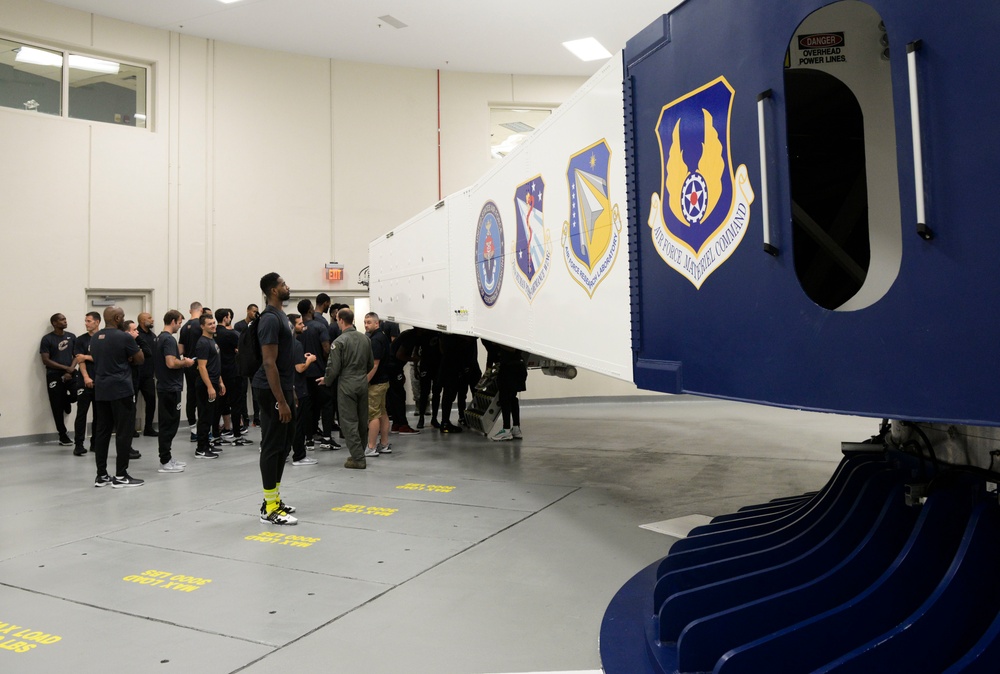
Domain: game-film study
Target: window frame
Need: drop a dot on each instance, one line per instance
(64, 82)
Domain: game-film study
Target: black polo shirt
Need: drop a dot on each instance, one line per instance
(167, 379)
(228, 341)
(380, 352)
(111, 349)
(207, 350)
(312, 339)
(301, 389)
(188, 336)
(82, 347)
(146, 370)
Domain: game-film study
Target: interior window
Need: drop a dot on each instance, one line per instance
(846, 239)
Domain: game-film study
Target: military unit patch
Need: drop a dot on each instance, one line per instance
(533, 249)
(489, 253)
(702, 211)
(592, 236)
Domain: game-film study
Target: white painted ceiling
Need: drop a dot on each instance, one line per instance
(514, 36)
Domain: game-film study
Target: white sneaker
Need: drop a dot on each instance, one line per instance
(384, 450)
(371, 451)
(502, 434)
(170, 467)
(515, 432)
(278, 516)
(305, 461)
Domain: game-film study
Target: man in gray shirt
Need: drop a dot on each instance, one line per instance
(348, 365)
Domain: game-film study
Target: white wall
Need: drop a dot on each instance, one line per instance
(256, 161)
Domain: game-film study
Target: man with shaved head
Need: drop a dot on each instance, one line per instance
(114, 352)
(147, 378)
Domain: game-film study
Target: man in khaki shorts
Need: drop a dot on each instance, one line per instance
(378, 385)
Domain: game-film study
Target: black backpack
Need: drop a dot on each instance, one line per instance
(249, 358)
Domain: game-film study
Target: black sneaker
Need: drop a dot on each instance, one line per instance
(194, 437)
(205, 454)
(216, 444)
(80, 451)
(243, 429)
(434, 424)
(242, 442)
(448, 427)
(126, 480)
(65, 441)
(103, 481)
(151, 433)
(329, 444)
(310, 445)
(134, 454)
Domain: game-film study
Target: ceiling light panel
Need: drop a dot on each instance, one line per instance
(587, 49)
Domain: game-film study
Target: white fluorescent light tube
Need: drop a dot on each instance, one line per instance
(38, 57)
(587, 49)
(93, 65)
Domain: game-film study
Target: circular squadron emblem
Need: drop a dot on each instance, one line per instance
(489, 254)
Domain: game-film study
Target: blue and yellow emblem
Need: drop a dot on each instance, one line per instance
(702, 211)
(489, 253)
(592, 236)
(533, 248)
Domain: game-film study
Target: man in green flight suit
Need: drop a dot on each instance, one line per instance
(348, 366)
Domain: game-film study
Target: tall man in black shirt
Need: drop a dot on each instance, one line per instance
(85, 381)
(114, 352)
(274, 382)
(57, 357)
(170, 367)
(147, 383)
(189, 335)
(209, 387)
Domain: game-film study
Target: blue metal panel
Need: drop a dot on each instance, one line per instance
(901, 589)
(927, 349)
(953, 616)
(705, 640)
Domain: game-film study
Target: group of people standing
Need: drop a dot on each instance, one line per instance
(312, 372)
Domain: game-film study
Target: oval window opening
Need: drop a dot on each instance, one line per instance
(846, 239)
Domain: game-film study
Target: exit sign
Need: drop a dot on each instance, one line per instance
(334, 272)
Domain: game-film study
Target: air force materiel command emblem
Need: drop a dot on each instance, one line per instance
(533, 250)
(702, 211)
(489, 254)
(591, 238)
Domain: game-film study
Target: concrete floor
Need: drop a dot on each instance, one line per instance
(454, 555)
